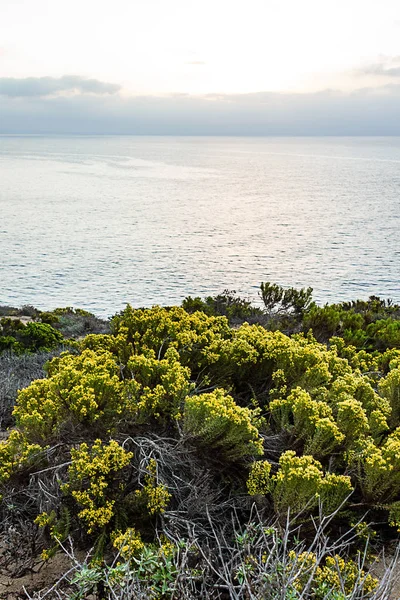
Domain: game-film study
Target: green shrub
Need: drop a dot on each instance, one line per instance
(309, 420)
(324, 321)
(227, 304)
(389, 388)
(378, 468)
(216, 422)
(300, 485)
(40, 336)
(276, 298)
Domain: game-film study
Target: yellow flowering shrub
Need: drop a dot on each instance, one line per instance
(337, 575)
(16, 454)
(158, 387)
(378, 425)
(351, 418)
(389, 388)
(253, 354)
(98, 342)
(357, 359)
(378, 468)
(242, 355)
(359, 387)
(217, 422)
(159, 328)
(82, 389)
(309, 420)
(259, 481)
(128, 543)
(300, 484)
(94, 475)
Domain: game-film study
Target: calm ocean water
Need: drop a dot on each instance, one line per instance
(97, 222)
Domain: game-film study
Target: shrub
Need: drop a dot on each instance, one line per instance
(215, 421)
(95, 483)
(158, 387)
(16, 455)
(378, 468)
(351, 418)
(300, 484)
(309, 420)
(157, 329)
(32, 337)
(227, 304)
(389, 388)
(40, 336)
(385, 333)
(323, 321)
(83, 389)
(276, 298)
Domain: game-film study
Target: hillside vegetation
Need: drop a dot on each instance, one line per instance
(213, 450)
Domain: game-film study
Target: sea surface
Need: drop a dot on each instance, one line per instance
(96, 222)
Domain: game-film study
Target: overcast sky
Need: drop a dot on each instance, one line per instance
(238, 67)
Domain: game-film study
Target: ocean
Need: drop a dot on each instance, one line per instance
(99, 221)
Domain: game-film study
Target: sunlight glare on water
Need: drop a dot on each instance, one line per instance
(96, 222)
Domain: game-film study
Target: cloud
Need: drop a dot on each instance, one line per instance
(387, 67)
(48, 86)
(368, 111)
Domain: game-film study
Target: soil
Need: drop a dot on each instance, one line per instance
(41, 576)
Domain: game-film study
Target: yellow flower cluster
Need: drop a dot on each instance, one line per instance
(92, 484)
(154, 495)
(378, 468)
(16, 453)
(216, 421)
(336, 575)
(159, 328)
(389, 388)
(45, 518)
(84, 389)
(337, 570)
(300, 484)
(354, 387)
(308, 419)
(158, 387)
(129, 543)
(259, 481)
(351, 418)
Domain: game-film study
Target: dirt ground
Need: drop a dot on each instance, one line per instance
(41, 576)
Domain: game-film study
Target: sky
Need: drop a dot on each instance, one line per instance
(255, 67)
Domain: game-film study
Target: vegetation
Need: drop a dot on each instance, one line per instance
(213, 450)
